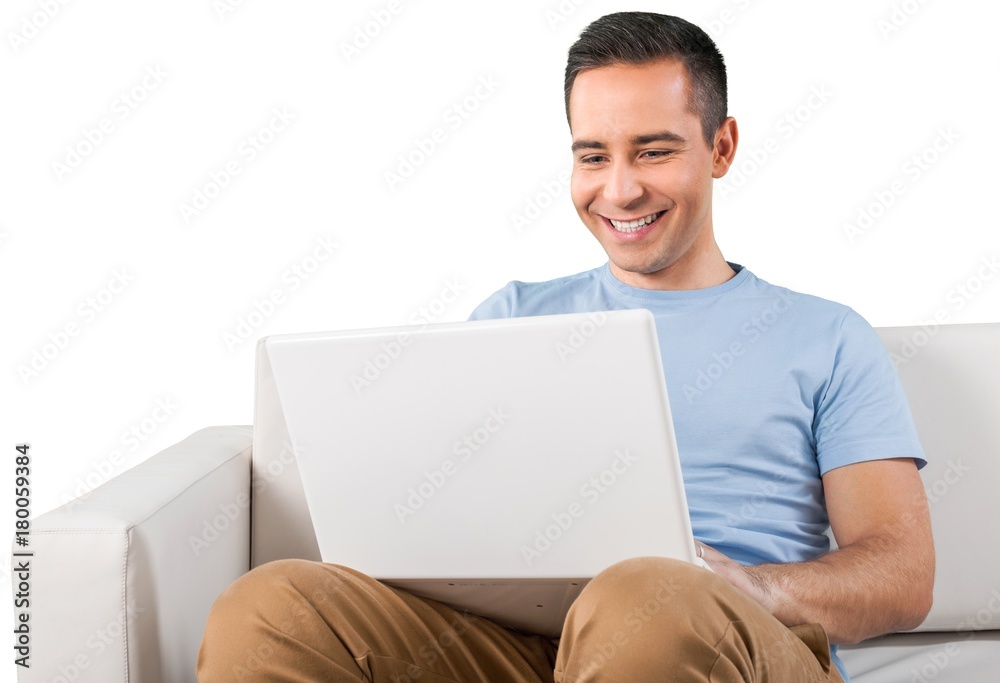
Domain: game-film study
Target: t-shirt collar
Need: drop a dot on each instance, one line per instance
(742, 274)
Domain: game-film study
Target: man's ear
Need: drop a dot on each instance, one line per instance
(727, 136)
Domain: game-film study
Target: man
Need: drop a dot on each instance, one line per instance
(789, 416)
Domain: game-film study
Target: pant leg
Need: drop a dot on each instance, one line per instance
(654, 619)
(295, 621)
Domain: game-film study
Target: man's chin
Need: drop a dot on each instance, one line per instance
(638, 266)
(631, 271)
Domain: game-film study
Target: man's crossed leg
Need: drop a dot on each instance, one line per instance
(645, 619)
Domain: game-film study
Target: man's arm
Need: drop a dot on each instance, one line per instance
(880, 579)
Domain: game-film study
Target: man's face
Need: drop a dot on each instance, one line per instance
(642, 174)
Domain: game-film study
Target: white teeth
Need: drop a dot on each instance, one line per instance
(632, 226)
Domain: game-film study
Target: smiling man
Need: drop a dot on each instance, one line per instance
(789, 417)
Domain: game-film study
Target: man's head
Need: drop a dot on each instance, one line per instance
(647, 144)
(646, 148)
(639, 38)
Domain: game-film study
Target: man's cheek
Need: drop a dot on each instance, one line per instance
(582, 191)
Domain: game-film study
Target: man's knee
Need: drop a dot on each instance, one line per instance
(670, 611)
(636, 568)
(265, 606)
(649, 585)
(651, 598)
(270, 587)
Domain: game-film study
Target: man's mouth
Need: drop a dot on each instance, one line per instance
(635, 225)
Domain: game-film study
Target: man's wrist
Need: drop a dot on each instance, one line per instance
(771, 584)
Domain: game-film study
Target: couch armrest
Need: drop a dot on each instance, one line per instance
(122, 579)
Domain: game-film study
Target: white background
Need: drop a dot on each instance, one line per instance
(897, 76)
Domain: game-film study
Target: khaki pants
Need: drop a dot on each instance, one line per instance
(646, 619)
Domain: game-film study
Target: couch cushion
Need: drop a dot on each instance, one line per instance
(972, 657)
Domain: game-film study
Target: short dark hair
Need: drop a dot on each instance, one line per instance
(644, 37)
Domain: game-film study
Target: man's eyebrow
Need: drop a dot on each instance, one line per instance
(662, 136)
(587, 144)
(635, 140)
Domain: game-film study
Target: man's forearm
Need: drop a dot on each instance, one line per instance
(875, 586)
(882, 577)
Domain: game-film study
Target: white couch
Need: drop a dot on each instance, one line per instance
(123, 579)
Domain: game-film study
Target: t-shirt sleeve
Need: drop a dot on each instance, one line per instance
(863, 413)
(500, 304)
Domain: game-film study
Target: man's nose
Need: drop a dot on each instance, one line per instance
(623, 185)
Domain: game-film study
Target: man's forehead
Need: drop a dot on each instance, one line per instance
(663, 78)
(630, 100)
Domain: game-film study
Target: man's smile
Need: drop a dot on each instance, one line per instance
(633, 227)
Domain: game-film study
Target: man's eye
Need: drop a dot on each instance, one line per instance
(657, 153)
(592, 159)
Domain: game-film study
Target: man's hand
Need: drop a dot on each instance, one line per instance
(756, 587)
(881, 577)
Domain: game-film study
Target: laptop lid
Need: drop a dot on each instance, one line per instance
(493, 465)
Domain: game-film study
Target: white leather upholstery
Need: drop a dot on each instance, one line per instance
(973, 657)
(952, 381)
(129, 543)
(124, 555)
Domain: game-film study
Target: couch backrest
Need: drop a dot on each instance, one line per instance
(951, 375)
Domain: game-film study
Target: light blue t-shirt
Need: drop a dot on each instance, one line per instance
(769, 390)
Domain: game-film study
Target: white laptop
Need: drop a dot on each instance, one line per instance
(495, 466)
